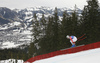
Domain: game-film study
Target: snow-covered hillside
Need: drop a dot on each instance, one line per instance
(89, 56)
(13, 35)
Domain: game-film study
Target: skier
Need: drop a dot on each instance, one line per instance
(73, 39)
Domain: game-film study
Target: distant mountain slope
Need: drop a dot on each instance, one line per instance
(7, 13)
(7, 16)
(4, 21)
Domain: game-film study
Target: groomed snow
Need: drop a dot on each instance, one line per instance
(90, 56)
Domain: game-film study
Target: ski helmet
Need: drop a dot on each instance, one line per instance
(67, 36)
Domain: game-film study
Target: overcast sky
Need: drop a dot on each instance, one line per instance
(20, 4)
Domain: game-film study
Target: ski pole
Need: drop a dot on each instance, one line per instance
(82, 39)
(81, 36)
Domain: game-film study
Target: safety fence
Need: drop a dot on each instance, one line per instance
(64, 51)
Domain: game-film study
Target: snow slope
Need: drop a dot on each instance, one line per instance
(11, 61)
(89, 56)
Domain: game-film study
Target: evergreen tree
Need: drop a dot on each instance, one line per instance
(46, 43)
(35, 37)
(64, 30)
(49, 28)
(43, 25)
(50, 42)
(75, 21)
(90, 19)
(55, 30)
(36, 28)
(32, 50)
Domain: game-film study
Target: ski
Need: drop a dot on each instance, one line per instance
(72, 47)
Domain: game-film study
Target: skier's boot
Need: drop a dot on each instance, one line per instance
(73, 45)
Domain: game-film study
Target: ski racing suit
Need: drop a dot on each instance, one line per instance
(73, 39)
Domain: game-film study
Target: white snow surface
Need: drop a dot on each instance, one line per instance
(26, 32)
(89, 56)
(16, 23)
(11, 61)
